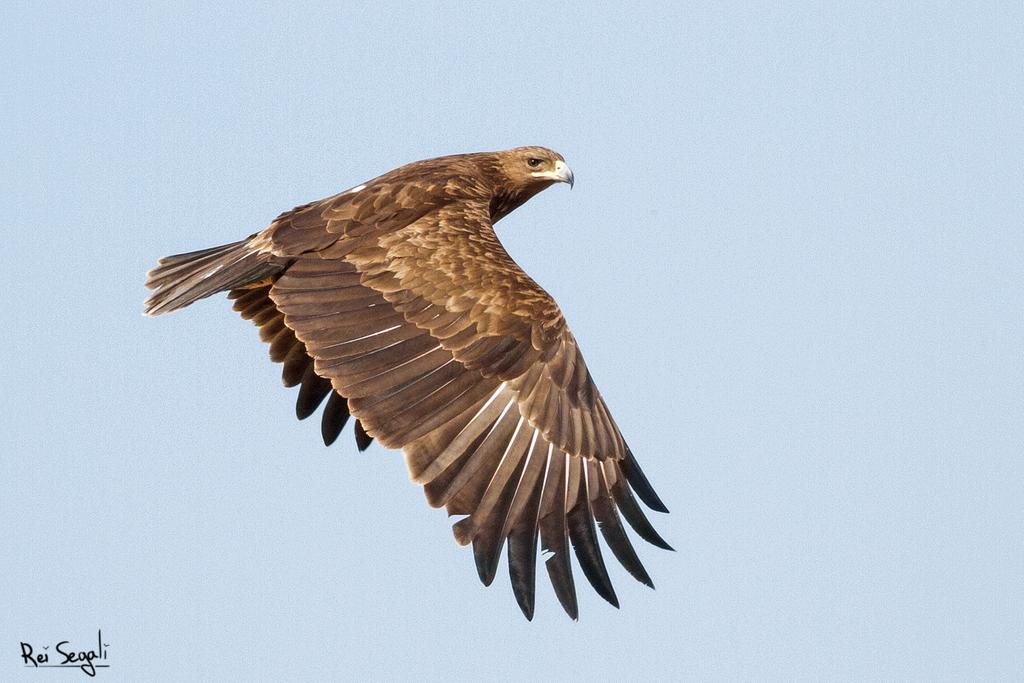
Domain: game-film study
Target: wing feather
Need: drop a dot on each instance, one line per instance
(460, 441)
(522, 525)
(631, 510)
(584, 541)
(554, 535)
(312, 392)
(611, 526)
(334, 418)
(486, 526)
(464, 493)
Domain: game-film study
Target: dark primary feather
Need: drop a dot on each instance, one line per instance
(396, 302)
(521, 527)
(638, 480)
(611, 528)
(584, 542)
(554, 537)
(312, 392)
(522, 561)
(334, 418)
(635, 516)
(363, 440)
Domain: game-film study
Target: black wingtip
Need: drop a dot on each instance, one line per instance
(363, 440)
(312, 392)
(571, 608)
(615, 537)
(630, 509)
(555, 543)
(584, 541)
(522, 561)
(638, 480)
(334, 418)
(655, 539)
(526, 608)
(484, 569)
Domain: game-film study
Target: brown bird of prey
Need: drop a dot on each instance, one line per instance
(396, 302)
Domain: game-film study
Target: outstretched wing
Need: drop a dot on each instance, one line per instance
(445, 348)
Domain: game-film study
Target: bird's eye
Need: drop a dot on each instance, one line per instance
(534, 162)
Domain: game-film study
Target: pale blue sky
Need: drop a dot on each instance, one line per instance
(793, 258)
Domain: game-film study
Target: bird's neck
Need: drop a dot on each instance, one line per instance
(505, 202)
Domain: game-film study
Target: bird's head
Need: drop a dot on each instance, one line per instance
(523, 172)
(533, 168)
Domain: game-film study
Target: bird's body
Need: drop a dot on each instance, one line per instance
(396, 299)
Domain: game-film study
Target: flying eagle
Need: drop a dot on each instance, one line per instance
(396, 302)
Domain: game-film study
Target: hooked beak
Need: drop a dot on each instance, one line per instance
(561, 174)
(564, 173)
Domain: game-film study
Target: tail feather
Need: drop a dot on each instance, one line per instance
(182, 279)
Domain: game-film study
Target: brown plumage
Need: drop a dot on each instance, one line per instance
(396, 303)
